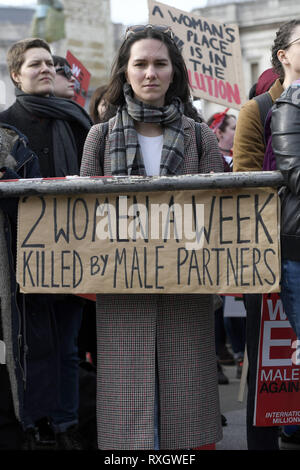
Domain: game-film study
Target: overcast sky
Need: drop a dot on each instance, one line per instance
(126, 11)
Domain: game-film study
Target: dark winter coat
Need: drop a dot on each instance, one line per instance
(131, 327)
(285, 126)
(39, 133)
(11, 316)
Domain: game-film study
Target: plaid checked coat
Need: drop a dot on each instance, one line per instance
(134, 331)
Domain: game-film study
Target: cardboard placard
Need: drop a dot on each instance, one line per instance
(278, 373)
(188, 241)
(82, 76)
(211, 51)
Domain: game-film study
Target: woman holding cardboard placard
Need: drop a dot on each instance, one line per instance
(156, 357)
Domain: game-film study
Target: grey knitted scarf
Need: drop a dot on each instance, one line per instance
(125, 152)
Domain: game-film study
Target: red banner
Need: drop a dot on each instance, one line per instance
(278, 374)
(82, 76)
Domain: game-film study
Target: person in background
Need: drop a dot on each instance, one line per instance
(167, 394)
(248, 155)
(56, 129)
(86, 341)
(99, 107)
(285, 137)
(17, 160)
(248, 144)
(64, 82)
(223, 125)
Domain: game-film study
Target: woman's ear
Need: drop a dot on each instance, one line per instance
(218, 134)
(282, 57)
(16, 79)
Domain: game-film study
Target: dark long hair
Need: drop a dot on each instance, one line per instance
(97, 96)
(180, 84)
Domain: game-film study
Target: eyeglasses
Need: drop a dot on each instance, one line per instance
(156, 27)
(292, 42)
(66, 71)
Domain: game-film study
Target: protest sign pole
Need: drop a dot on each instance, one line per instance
(243, 380)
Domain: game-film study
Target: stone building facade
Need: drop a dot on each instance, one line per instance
(90, 36)
(14, 25)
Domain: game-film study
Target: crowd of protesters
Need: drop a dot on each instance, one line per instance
(154, 359)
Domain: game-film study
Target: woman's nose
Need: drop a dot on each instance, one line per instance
(46, 67)
(151, 71)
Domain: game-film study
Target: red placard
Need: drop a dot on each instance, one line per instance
(88, 296)
(82, 76)
(278, 374)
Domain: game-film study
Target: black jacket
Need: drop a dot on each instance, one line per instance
(11, 313)
(39, 133)
(285, 126)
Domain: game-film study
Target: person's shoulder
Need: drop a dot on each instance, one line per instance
(103, 127)
(250, 106)
(187, 122)
(6, 113)
(249, 112)
(100, 131)
(14, 115)
(190, 123)
(276, 90)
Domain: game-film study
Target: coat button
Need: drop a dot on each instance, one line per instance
(45, 150)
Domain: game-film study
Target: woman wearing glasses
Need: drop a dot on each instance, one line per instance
(285, 143)
(157, 382)
(249, 150)
(56, 129)
(64, 82)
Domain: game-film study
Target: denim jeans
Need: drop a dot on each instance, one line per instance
(68, 314)
(290, 292)
(236, 330)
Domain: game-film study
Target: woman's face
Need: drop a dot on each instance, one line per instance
(149, 71)
(101, 108)
(64, 87)
(37, 73)
(290, 57)
(226, 137)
